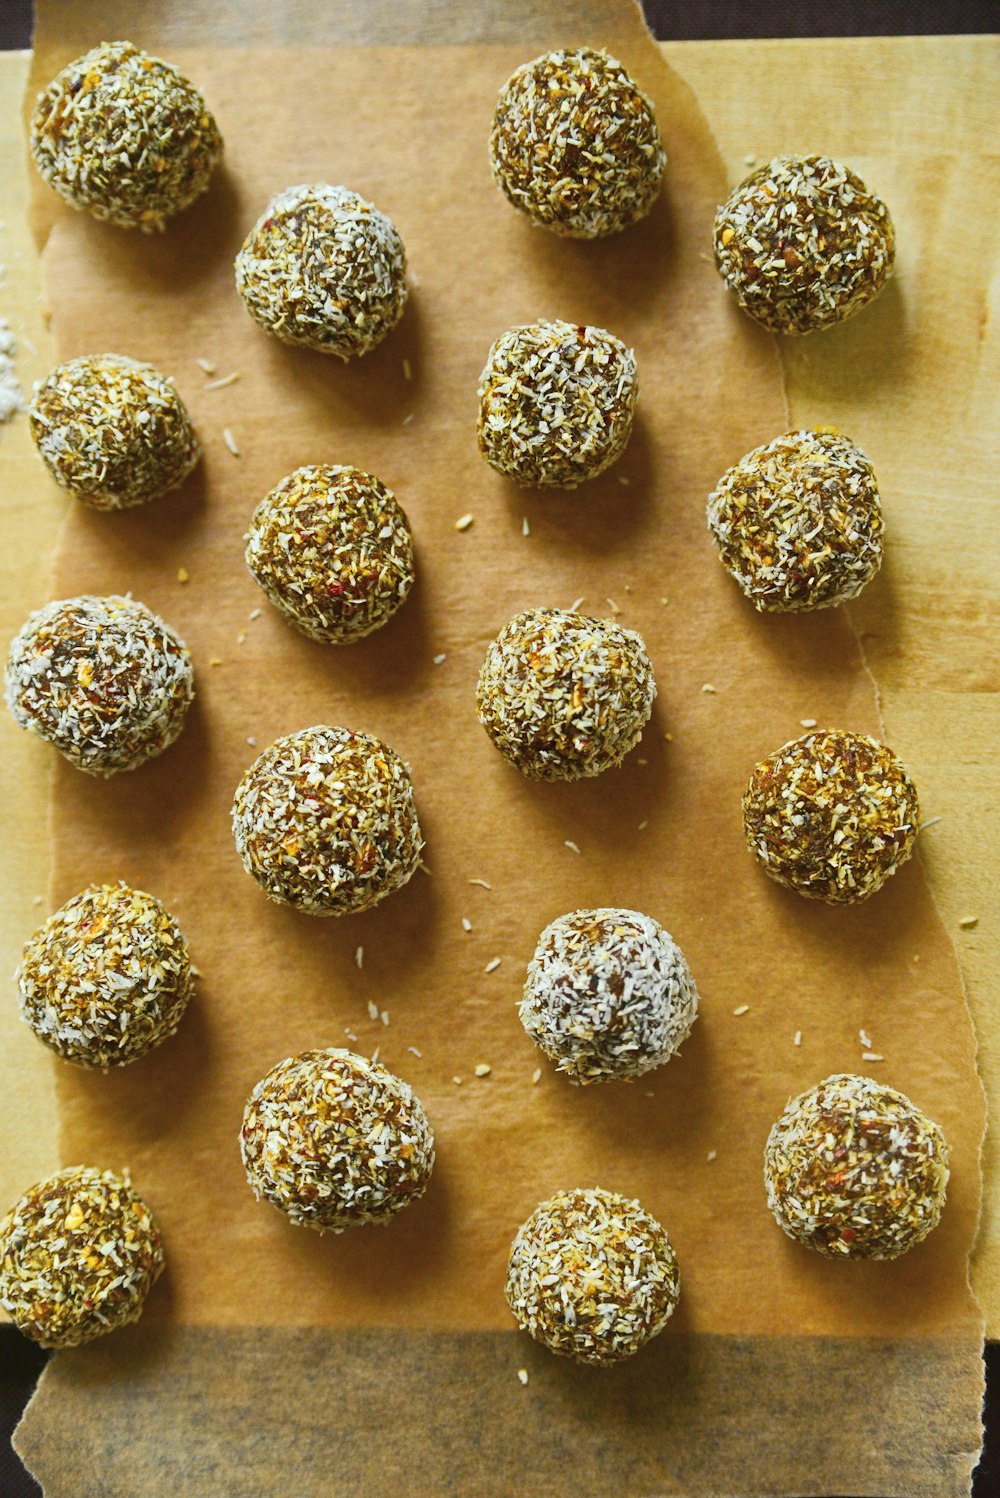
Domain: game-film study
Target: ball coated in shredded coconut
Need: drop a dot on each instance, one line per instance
(556, 403)
(563, 696)
(335, 1141)
(575, 144)
(324, 269)
(831, 815)
(854, 1170)
(79, 1253)
(592, 1276)
(125, 137)
(326, 820)
(112, 431)
(103, 679)
(608, 994)
(331, 548)
(802, 244)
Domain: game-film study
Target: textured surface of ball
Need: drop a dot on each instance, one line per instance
(125, 137)
(556, 403)
(854, 1170)
(103, 679)
(575, 144)
(335, 1141)
(324, 269)
(592, 1276)
(79, 1253)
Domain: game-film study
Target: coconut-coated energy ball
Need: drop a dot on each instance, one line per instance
(335, 1141)
(324, 269)
(802, 244)
(79, 1253)
(608, 994)
(563, 696)
(125, 137)
(592, 1276)
(103, 679)
(331, 548)
(831, 815)
(854, 1170)
(575, 144)
(112, 431)
(556, 403)
(798, 522)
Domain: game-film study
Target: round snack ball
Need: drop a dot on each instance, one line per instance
(335, 1141)
(854, 1170)
(79, 1253)
(107, 977)
(608, 994)
(323, 268)
(103, 679)
(831, 815)
(326, 820)
(802, 244)
(592, 1276)
(331, 548)
(556, 403)
(125, 137)
(575, 144)
(563, 696)
(798, 522)
(112, 431)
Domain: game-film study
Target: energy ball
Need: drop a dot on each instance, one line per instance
(575, 144)
(556, 403)
(112, 431)
(324, 269)
(592, 1276)
(831, 815)
(608, 994)
(563, 696)
(798, 522)
(331, 548)
(326, 820)
(335, 1141)
(103, 679)
(125, 137)
(854, 1170)
(803, 244)
(107, 978)
(79, 1253)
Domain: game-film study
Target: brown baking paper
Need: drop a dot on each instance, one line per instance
(272, 1359)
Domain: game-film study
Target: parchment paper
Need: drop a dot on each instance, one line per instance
(791, 1341)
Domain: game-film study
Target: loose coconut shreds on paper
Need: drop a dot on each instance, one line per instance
(103, 679)
(592, 1276)
(335, 1141)
(11, 394)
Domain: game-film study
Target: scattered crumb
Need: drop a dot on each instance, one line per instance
(359, 957)
(483, 1069)
(376, 1053)
(623, 479)
(466, 923)
(425, 870)
(536, 1076)
(924, 825)
(439, 660)
(415, 1052)
(463, 522)
(482, 883)
(575, 604)
(741, 1009)
(372, 1009)
(492, 965)
(37, 900)
(384, 1017)
(664, 601)
(614, 607)
(407, 419)
(241, 637)
(865, 1039)
(669, 738)
(797, 1038)
(230, 442)
(229, 379)
(254, 614)
(712, 1155)
(807, 722)
(407, 370)
(571, 846)
(522, 1375)
(457, 1081)
(350, 1034)
(916, 956)
(708, 687)
(251, 741)
(749, 161)
(183, 575)
(872, 1056)
(642, 826)
(525, 527)
(206, 366)
(966, 921)
(215, 660)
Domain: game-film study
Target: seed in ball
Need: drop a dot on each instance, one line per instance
(854, 1170)
(125, 137)
(324, 269)
(798, 522)
(79, 1253)
(575, 144)
(331, 548)
(326, 820)
(803, 244)
(563, 696)
(335, 1141)
(592, 1276)
(107, 978)
(112, 431)
(831, 815)
(103, 679)
(608, 994)
(556, 403)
